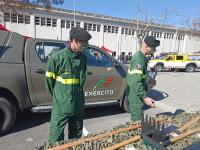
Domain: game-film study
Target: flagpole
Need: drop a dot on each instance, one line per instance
(74, 13)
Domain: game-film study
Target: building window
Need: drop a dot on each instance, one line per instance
(7, 17)
(109, 29)
(113, 29)
(152, 33)
(116, 30)
(72, 24)
(164, 35)
(62, 23)
(20, 18)
(129, 31)
(181, 37)
(105, 29)
(43, 21)
(172, 36)
(132, 32)
(90, 27)
(54, 22)
(27, 19)
(78, 24)
(98, 28)
(14, 18)
(48, 21)
(37, 20)
(122, 30)
(94, 27)
(67, 24)
(126, 31)
(86, 26)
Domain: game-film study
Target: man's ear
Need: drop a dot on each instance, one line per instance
(146, 47)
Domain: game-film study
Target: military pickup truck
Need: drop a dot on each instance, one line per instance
(22, 73)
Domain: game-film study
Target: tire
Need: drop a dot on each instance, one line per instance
(158, 68)
(7, 115)
(190, 68)
(126, 107)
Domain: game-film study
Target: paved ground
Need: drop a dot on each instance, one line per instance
(177, 91)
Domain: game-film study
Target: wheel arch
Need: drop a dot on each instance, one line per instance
(194, 64)
(9, 95)
(121, 102)
(159, 63)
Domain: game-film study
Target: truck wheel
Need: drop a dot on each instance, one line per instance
(190, 68)
(158, 68)
(7, 115)
(126, 105)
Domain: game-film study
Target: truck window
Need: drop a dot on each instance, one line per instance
(194, 57)
(179, 57)
(97, 58)
(46, 49)
(169, 58)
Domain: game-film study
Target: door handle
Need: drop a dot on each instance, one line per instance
(41, 71)
(89, 73)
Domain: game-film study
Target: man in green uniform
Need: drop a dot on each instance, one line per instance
(136, 78)
(65, 77)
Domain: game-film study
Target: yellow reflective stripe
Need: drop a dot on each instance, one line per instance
(144, 76)
(60, 79)
(135, 71)
(67, 81)
(50, 75)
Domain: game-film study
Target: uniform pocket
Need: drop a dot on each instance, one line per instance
(67, 106)
(63, 96)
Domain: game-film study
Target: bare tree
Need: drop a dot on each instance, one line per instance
(13, 5)
(146, 19)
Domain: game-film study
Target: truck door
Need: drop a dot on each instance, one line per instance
(179, 63)
(37, 53)
(103, 81)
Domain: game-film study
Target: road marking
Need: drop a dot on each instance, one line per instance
(85, 131)
(29, 139)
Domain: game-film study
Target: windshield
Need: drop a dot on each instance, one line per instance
(162, 57)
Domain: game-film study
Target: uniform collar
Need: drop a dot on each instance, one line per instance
(141, 53)
(72, 54)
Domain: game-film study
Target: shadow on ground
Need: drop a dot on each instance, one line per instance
(102, 111)
(27, 119)
(177, 112)
(157, 95)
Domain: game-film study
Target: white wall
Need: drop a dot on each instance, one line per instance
(1, 18)
(111, 41)
(128, 44)
(96, 38)
(22, 29)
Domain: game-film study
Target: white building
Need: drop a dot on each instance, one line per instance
(116, 34)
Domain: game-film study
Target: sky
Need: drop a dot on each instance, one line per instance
(177, 10)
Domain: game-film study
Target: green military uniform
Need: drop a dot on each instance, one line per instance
(65, 77)
(136, 85)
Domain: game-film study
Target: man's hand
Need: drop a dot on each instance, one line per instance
(148, 101)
